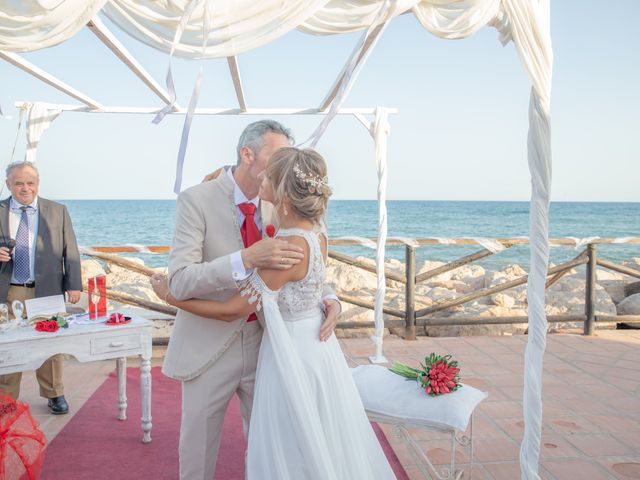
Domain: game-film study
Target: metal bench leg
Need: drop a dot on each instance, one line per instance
(465, 441)
(445, 473)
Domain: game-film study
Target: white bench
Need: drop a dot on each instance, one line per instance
(392, 399)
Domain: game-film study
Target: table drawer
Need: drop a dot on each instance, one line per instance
(115, 343)
(10, 358)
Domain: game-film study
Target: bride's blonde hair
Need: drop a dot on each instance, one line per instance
(301, 176)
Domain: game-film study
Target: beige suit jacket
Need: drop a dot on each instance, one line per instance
(206, 233)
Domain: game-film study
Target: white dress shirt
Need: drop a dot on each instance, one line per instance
(15, 214)
(237, 265)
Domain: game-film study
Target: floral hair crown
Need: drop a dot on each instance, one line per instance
(314, 182)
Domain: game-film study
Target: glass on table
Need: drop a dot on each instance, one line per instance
(18, 312)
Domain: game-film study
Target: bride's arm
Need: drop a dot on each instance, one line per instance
(236, 306)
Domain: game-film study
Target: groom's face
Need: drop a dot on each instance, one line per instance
(266, 188)
(270, 143)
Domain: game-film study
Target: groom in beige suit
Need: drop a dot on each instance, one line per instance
(215, 359)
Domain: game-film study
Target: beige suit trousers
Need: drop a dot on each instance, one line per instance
(49, 375)
(205, 400)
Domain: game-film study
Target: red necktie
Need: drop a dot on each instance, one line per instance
(249, 231)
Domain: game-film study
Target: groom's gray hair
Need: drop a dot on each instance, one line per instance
(252, 136)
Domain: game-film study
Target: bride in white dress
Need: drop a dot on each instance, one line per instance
(307, 421)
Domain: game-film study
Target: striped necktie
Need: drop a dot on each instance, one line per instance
(21, 267)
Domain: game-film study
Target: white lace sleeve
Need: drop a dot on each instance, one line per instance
(254, 287)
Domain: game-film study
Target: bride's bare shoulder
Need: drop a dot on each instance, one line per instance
(277, 278)
(298, 272)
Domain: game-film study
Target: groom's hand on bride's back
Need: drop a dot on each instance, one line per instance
(272, 253)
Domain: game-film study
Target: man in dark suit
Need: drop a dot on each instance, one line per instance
(38, 258)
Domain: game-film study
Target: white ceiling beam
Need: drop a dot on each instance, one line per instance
(366, 49)
(237, 82)
(101, 31)
(49, 79)
(215, 111)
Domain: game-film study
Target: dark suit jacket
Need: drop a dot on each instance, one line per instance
(57, 263)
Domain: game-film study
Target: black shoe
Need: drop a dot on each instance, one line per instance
(58, 405)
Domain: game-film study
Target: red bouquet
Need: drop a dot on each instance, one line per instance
(439, 374)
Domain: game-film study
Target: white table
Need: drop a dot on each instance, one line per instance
(24, 348)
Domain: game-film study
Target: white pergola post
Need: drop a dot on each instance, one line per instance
(380, 136)
(379, 129)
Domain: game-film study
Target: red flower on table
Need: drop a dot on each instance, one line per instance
(52, 326)
(47, 326)
(118, 318)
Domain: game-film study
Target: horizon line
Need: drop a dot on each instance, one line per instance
(370, 200)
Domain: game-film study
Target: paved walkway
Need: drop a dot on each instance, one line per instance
(591, 397)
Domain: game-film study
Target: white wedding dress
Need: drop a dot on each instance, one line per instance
(307, 422)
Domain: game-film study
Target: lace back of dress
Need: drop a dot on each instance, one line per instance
(305, 294)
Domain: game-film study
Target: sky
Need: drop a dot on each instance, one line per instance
(460, 133)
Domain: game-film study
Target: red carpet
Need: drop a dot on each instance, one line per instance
(95, 445)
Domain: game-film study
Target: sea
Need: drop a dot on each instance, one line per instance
(151, 222)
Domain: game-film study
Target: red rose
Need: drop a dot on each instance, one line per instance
(271, 230)
(52, 326)
(40, 326)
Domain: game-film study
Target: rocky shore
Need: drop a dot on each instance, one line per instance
(616, 294)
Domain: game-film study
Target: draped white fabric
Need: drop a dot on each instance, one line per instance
(27, 25)
(530, 29)
(344, 16)
(235, 27)
(38, 120)
(453, 20)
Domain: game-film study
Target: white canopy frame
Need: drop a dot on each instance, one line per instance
(40, 115)
(525, 22)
